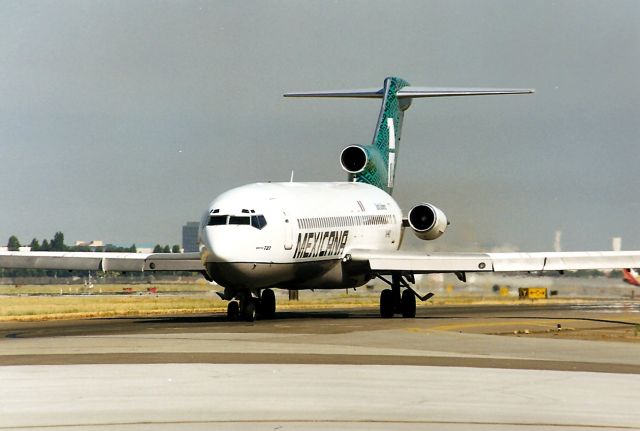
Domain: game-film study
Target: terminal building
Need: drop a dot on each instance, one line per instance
(190, 236)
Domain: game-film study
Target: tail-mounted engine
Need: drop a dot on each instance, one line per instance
(366, 164)
(427, 221)
(354, 159)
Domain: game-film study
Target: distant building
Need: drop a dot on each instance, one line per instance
(94, 243)
(190, 236)
(24, 248)
(616, 243)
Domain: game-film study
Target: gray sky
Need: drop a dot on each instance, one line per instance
(122, 120)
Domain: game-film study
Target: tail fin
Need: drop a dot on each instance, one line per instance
(396, 94)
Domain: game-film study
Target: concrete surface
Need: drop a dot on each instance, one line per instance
(228, 394)
(324, 370)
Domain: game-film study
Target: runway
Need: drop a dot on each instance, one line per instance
(450, 368)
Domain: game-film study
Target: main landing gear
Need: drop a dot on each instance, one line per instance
(392, 301)
(248, 307)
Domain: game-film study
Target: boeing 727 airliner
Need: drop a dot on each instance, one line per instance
(331, 235)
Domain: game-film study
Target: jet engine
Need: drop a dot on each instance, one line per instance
(427, 221)
(354, 159)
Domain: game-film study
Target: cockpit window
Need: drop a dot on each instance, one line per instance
(239, 220)
(258, 221)
(217, 220)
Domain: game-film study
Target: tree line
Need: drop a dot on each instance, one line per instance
(57, 244)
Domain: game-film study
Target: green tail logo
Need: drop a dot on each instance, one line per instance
(383, 150)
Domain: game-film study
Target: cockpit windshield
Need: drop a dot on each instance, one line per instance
(217, 220)
(239, 220)
(257, 221)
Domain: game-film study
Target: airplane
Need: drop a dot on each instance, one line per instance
(630, 276)
(328, 235)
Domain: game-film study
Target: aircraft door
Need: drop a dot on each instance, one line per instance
(288, 231)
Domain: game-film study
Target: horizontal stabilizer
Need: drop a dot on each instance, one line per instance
(363, 92)
(412, 92)
(445, 91)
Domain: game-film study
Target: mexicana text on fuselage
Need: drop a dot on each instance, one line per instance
(323, 244)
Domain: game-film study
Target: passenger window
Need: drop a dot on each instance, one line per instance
(258, 221)
(217, 220)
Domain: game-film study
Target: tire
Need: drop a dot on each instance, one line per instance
(408, 304)
(233, 311)
(267, 304)
(249, 312)
(386, 304)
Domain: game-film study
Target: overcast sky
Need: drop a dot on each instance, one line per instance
(122, 120)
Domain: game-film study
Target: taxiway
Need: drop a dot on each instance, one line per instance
(451, 368)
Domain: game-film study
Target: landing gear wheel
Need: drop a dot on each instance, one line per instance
(233, 311)
(386, 304)
(408, 304)
(267, 304)
(249, 311)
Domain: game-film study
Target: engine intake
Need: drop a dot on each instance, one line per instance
(354, 159)
(427, 221)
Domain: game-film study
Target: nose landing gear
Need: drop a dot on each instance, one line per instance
(233, 311)
(249, 310)
(267, 304)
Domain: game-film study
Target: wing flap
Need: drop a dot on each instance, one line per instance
(560, 261)
(51, 260)
(88, 261)
(421, 262)
(170, 262)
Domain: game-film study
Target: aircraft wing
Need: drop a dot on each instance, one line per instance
(423, 263)
(102, 261)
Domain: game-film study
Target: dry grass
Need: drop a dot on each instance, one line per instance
(69, 307)
(49, 302)
(96, 289)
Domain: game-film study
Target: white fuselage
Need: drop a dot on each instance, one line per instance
(294, 235)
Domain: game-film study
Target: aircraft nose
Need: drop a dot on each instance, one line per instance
(218, 244)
